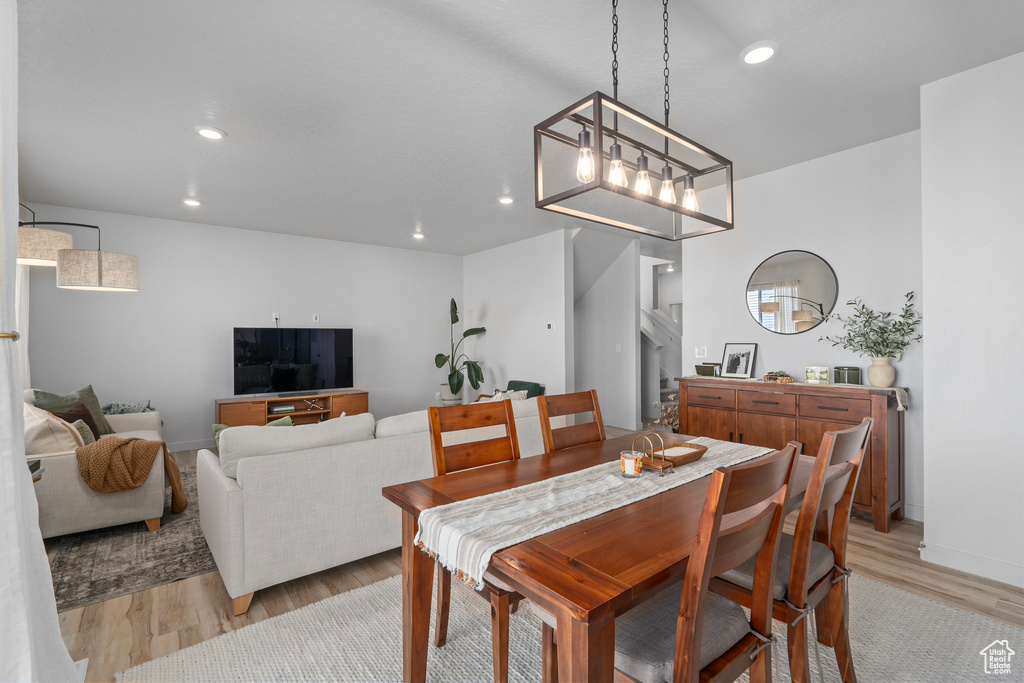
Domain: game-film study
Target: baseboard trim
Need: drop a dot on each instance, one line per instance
(987, 567)
(191, 445)
(914, 512)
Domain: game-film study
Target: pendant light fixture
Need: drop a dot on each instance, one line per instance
(577, 175)
(38, 246)
(93, 270)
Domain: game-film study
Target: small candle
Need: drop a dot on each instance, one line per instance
(631, 463)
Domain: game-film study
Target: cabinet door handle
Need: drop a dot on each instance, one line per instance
(730, 436)
(770, 403)
(741, 437)
(714, 397)
(838, 410)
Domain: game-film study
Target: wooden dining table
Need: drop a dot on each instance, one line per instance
(584, 574)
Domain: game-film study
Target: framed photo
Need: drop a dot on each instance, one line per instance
(738, 360)
(816, 374)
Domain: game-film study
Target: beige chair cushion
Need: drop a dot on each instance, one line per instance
(45, 433)
(248, 442)
(822, 560)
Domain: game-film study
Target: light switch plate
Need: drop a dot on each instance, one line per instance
(700, 352)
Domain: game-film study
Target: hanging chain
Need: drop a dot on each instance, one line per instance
(664, 16)
(615, 49)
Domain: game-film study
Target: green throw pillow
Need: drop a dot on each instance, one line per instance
(54, 403)
(285, 421)
(83, 429)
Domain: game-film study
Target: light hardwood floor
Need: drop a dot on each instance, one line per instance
(132, 629)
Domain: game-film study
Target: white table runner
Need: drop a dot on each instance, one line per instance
(464, 535)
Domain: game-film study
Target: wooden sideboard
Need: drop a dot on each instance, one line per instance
(771, 415)
(235, 412)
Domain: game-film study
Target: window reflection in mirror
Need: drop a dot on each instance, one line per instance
(791, 292)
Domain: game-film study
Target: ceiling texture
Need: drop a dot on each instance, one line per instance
(358, 121)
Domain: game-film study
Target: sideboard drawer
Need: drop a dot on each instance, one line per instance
(714, 397)
(766, 402)
(832, 408)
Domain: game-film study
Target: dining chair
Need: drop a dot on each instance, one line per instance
(685, 633)
(570, 404)
(812, 569)
(483, 445)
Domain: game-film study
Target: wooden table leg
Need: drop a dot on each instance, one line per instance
(586, 650)
(417, 574)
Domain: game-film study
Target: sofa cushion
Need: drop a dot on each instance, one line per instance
(45, 433)
(79, 414)
(57, 403)
(247, 442)
(409, 423)
(83, 430)
(285, 421)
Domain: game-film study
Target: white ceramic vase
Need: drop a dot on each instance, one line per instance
(881, 373)
(448, 398)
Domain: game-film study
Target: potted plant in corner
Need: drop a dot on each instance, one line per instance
(459, 365)
(882, 336)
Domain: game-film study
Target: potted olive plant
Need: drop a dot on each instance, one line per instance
(459, 365)
(882, 336)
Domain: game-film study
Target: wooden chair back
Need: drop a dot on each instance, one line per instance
(742, 517)
(832, 484)
(476, 453)
(573, 435)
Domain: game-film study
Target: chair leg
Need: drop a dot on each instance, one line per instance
(839, 610)
(761, 668)
(240, 605)
(153, 524)
(823, 619)
(444, 596)
(799, 668)
(499, 634)
(549, 652)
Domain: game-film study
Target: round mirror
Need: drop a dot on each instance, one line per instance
(791, 292)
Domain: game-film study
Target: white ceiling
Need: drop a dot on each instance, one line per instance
(358, 120)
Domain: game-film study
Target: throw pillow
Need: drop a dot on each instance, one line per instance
(79, 413)
(56, 403)
(45, 433)
(285, 421)
(505, 396)
(84, 431)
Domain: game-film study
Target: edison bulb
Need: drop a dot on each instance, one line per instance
(689, 196)
(643, 178)
(585, 163)
(616, 173)
(668, 188)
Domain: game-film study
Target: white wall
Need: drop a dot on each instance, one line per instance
(608, 337)
(860, 210)
(516, 291)
(171, 341)
(972, 146)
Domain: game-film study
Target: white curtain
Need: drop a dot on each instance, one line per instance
(21, 315)
(785, 293)
(31, 648)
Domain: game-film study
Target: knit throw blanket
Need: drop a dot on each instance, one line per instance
(114, 464)
(463, 536)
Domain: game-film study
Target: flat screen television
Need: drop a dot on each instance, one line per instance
(288, 360)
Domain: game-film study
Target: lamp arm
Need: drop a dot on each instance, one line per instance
(99, 245)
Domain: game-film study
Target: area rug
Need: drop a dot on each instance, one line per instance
(356, 636)
(98, 565)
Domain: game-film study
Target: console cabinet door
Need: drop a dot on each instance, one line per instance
(350, 404)
(810, 435)
(770, 431)
(239, 414)
(711, 422)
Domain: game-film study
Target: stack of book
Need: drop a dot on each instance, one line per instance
(282, 410)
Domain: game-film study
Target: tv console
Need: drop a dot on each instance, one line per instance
(307, 407)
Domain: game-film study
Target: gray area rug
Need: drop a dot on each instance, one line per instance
(98, 565)
(356, 636)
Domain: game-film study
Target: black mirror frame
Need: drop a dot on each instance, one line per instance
(831, 308)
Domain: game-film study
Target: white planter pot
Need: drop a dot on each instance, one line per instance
(448, 398)
(881, 373)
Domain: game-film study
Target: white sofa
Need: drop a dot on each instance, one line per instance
(280, 503)
(67, 505)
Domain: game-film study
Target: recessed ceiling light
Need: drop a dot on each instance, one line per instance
(418, 235)
(191, 202)
(759, 52)
(670, 269)
(505, 200)
(211, 133)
